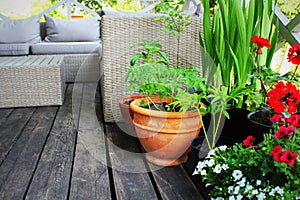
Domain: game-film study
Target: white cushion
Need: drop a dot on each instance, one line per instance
(66, 48)
(20, 31)
(82, 30)
(14, 49)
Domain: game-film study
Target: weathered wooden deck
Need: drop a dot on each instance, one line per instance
(66, 152)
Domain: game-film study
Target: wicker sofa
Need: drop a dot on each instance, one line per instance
(81, 56)
(119, 32)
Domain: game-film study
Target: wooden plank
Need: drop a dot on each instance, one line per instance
(130, 175)
(4, 113)
(53, 173)
(10, 129)
(17, 169)
(175, 183)
(90, 178)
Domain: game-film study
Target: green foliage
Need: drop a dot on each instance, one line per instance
(156, 79)
(227, 37)
(252, 171)
(152, 53)
(175, 20)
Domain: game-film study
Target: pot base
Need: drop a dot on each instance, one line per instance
(166, 162)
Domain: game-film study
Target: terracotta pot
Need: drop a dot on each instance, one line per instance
(166, 136)
(127, 114)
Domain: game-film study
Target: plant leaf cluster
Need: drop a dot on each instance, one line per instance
(227, 37)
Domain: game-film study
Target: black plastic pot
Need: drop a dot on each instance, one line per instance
(260, 123)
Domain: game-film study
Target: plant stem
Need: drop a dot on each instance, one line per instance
(203, 127)
(293, 75)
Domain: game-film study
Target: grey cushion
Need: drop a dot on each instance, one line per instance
(20, 31)
(82, 30)
(14, 49)
(66, 48)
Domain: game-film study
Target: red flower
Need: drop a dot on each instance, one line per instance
(294, 120)
(277, 119)
(277, 152)
(289, 157)
(248, 142)
(294, 54)
(284, 132)
(261, 42)
(284, 95)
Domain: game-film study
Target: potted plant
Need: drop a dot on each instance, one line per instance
(227, 39)
(175, 21)
(151, 53)
(266, 170)
(163, 121)
(267, 78)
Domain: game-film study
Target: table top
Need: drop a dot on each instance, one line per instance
(22, 61)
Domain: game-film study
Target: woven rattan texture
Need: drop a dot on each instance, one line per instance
(37, 83)
(119, 33)
(82, 67)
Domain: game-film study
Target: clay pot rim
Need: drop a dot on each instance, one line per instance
(134, 105)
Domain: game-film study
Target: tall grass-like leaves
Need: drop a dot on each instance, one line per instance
(227, 37)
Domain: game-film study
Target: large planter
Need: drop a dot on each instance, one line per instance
(166, 136)
(260, 123)
(127, 114)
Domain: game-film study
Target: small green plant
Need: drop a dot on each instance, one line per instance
(164, 81)
(175, 20)
(152, 53)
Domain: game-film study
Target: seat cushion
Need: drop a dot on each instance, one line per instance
(66, 48)
(20, 31)
(82, 30)
(14, 49)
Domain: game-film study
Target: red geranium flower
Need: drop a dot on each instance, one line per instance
(261, 42)
(294, 120)
(284, 132)
(248, 142)
(294, 54)
(284, 95)
(277, 152)
(289, 157)
(277, 118)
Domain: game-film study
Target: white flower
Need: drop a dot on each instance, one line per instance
(261, 196)
(237, 174)
(248, 188)
(211, 153)
(223, 147)
(225, 166)
(210, 162)
(279, 190)
(258, 182)
(239, 197)
(218, 169)
(242, 182)
(230, 189)
(203, 172)
(236, 190)
(255, 192)
(231, 198)
(200, 165)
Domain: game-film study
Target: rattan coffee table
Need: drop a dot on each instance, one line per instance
(27, 81)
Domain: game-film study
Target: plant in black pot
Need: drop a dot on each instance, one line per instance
(265, 79)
